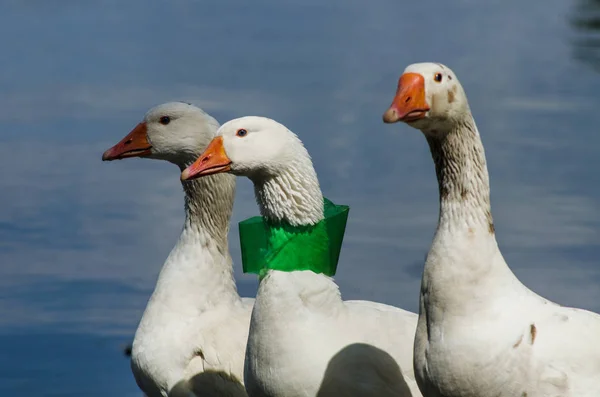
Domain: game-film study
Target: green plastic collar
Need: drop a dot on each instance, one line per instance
(289, 248)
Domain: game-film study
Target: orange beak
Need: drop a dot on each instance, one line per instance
(213, 161)
(135, 144)
(409, 104)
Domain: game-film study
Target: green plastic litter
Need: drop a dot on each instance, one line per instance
(289, 248)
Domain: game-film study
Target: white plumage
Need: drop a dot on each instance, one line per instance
(304, 340)
(192, 336)
(481, 332)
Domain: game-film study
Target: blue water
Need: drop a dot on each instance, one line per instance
(81, 241)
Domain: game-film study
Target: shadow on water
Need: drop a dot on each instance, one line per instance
(585, 20)
(127, 351)
(360, 369)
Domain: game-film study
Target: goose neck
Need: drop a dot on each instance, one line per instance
(292, 196)
(209, 205)
(464, 268)
(292, 206)
(462, 176)
(199, 267)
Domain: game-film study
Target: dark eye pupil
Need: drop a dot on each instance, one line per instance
(241, 132)
(438, 77)
(164, 120)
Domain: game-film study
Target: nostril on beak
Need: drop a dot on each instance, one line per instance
(407, 100)
(127, 142)
(205, 159)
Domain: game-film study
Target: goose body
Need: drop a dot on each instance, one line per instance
(481, 332)
(192, 336)
(304, 340)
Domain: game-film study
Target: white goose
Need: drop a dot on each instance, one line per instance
(192, 336)
(304, 340)
(481, 332)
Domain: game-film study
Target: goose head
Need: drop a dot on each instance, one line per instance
(174, 131)
(429, 97)
(274, 159)
(255, 147)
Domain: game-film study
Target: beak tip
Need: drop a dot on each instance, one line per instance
(185, 174)
(390, 116)
(106, 156)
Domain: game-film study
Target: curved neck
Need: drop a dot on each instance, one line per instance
(462, 176)
(291, 196)
(198, 273)
(209, 205)
(464, 268)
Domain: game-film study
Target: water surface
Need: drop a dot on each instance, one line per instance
(81, 241)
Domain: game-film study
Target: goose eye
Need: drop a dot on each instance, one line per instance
(164, 120)
(438, 77)
(241, 133)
